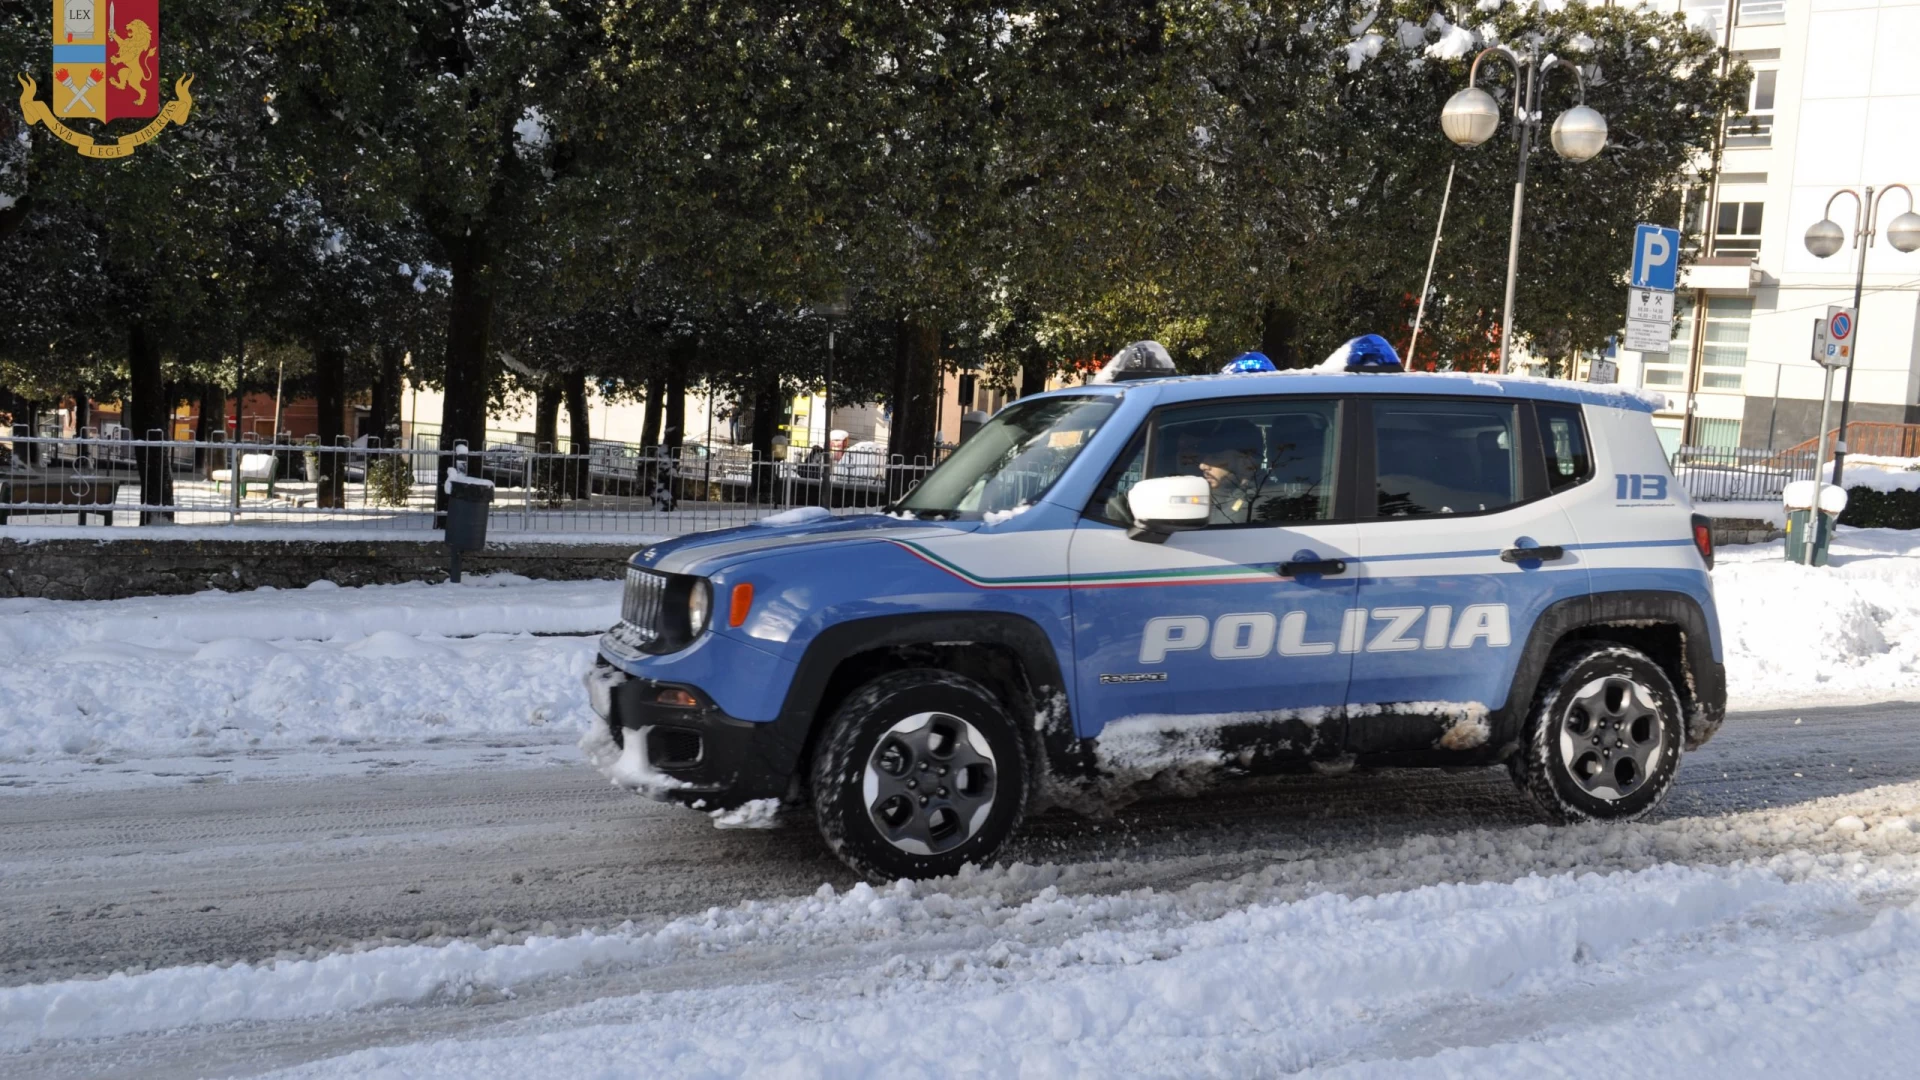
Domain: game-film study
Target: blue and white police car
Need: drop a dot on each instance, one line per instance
(1186, 577)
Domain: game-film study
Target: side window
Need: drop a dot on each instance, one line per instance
(1565, 441)
(1436, 456)
(1266, 462)
(1110, 501)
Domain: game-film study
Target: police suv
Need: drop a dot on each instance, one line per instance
(1183, 578)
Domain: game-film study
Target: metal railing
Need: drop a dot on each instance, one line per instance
(363, 486)
(1729, 474)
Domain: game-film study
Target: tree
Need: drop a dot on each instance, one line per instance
(461, 113)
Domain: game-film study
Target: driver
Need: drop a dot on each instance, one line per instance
(1227, 454)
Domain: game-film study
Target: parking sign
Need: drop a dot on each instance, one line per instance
(1656, 258)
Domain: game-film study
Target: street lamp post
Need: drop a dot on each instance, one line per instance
(1471, 117)
(1824, 238)
(831, 309)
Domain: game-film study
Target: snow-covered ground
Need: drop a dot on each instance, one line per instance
(1779, 942)
(1779, 937)
(271, 669)
(502, 656)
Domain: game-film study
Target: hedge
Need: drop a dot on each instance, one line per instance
(1872, 509)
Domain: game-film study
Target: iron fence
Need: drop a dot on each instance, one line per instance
(613, 488)
(1729, 474)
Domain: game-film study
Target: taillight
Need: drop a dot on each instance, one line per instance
(1703, 537)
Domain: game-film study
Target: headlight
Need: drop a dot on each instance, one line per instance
(699, 606)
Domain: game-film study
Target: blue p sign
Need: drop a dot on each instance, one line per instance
(1656, 257)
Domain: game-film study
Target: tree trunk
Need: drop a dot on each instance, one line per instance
(386, 395)
(469, 361)
(916, 362)
(1279, 329)
(213, 406)
(546, 416)
(1034, 369)
(546, 439)
(766, 421)
(650, 420)
(580, 435)
(146, 417)
(679, 358)
(36, 453)
(82, 414)
(330, 400)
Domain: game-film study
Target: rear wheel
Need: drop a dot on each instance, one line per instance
(919, 773)
(1603, 738)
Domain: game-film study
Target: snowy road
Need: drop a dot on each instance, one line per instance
(496, 845)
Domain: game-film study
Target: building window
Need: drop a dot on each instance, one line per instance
(1716, 433)
(1723, 358)
(1755, 128)
(1736, 228)
(1762, 12)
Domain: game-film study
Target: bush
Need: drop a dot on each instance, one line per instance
(1870, 509)
(390, 480)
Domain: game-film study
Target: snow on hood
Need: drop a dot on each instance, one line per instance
(705, 553)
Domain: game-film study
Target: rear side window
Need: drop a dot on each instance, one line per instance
(1435, 457)
(1564, 438)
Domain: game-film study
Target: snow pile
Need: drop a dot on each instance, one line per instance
(1845, 632)
(1001, 517)
(799, 515)
(286, 668)
(754, 814)
(1877, 473)
(1257, 992)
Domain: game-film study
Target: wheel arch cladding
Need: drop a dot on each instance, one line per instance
(1009, 654)
(1669, 627)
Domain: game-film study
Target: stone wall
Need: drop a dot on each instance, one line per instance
(109, 569)
(1743, 531)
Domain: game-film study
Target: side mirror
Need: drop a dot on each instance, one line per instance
(1168, 504)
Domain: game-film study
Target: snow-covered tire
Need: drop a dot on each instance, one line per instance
(1603, 737)
(919, 773)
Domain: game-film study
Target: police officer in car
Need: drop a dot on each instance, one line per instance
(1227, 454)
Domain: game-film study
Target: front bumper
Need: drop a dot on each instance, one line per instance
(695, 755)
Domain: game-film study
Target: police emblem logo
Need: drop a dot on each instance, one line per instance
(106, 66)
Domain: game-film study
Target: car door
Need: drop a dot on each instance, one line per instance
(1236, 624)
(1454, 493)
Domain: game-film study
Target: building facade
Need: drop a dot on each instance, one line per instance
(1835, 103)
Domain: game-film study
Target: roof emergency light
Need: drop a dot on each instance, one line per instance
(1369, 353)
(1248, 363)
(1140, 360)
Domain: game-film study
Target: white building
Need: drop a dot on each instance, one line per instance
(1835, 104)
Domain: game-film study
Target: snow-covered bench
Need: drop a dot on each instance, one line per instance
(255, 469)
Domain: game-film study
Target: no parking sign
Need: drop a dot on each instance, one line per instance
(1836, 346)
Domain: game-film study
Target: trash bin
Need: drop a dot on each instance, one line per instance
(468, 499)
(1813, 509)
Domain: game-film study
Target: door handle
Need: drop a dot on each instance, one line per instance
(1543, 553)
(1325, 567)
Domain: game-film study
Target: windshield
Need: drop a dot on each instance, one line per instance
(1013, 459)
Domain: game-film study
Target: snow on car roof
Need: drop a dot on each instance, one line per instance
(1311, 381)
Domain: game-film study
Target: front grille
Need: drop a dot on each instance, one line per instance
(673, 747)
(643, 602)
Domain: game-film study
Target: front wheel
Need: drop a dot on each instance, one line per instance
(919, 773)
(1603, 737)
